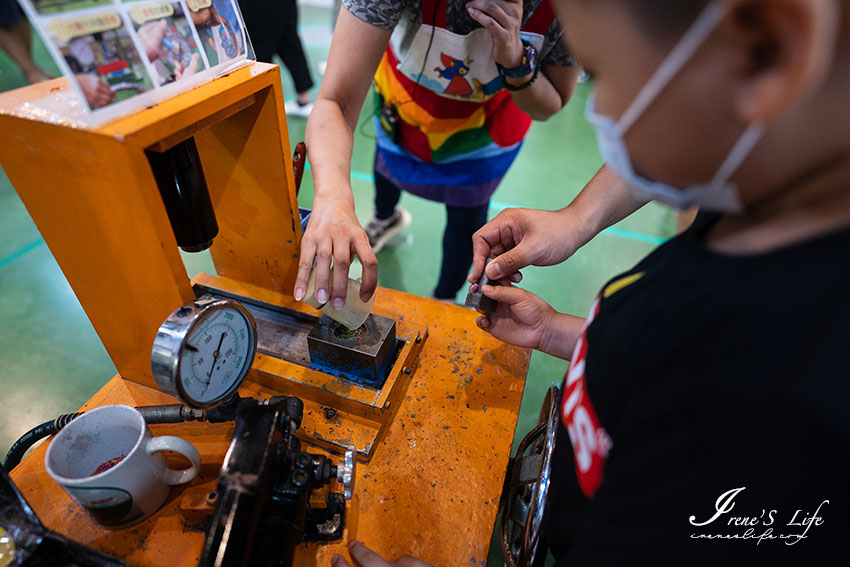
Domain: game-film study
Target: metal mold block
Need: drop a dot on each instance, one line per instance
(364, 355)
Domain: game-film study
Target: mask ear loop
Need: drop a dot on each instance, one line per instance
(740, 151)
(693, 39)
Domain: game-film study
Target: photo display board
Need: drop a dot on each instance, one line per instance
(122, 55)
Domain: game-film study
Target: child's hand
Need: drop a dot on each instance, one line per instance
(521, 319)
(517, 238)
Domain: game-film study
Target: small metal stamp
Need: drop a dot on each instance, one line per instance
(478, 300)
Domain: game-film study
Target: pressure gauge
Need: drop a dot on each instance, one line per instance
(203, 351)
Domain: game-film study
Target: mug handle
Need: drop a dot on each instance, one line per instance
(170, 443)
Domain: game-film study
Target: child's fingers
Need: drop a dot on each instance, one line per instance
(508, 295)
(514, 279)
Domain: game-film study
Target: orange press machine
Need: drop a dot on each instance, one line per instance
(424, 402)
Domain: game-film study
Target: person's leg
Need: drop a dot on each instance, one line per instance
(292, 53)
(263, 20)
(24, 31)
(389, 219)
(387, 196)
(461, 224)
(16, 41)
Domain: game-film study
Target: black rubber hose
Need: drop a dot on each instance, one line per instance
(31, 437)
(173, 413)
(170, 413)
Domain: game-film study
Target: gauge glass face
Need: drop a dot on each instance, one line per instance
(216, 355)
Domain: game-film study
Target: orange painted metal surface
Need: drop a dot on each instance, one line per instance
(363, 413)
(94, 199)
(439, 437)
(432, 488)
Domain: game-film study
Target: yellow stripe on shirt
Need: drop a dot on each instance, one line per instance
(621, 283)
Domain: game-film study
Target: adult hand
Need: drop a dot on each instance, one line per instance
(334, 234)
(502, 19)
(189, 69)
(365, 557)
(517, 238)
(150, 36)
(521, 318)
(95, 89)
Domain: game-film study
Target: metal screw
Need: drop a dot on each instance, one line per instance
(418, 340)
(407, 370)
(299, 477)
(303, 460)
(212, 496)
(330, 413)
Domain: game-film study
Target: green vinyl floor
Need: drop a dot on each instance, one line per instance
(51, 360)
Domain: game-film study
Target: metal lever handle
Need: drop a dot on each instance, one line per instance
(299, 158)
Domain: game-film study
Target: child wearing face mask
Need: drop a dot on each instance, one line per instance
(705, 416)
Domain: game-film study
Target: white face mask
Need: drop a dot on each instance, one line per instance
(719, 194)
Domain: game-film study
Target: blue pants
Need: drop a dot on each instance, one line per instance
(461, 224)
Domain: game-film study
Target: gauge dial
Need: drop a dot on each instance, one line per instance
(204, 350)
(214, 353)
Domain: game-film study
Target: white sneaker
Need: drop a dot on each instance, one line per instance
(295, 108)
(381, 231)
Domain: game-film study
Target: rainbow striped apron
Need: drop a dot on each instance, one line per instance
(462, 131)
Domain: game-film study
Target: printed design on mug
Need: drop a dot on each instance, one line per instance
(106, 465)
(110, 506)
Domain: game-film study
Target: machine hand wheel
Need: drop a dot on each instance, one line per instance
(526, 487)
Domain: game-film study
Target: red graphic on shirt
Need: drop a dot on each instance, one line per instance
(591, 443)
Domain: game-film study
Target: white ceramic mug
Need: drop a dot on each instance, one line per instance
(110, 464)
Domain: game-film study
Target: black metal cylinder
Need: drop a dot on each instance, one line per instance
(183, 188)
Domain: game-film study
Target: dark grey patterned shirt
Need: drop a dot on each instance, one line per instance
(387, 14)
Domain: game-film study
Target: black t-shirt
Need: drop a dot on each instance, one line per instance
(702, 374)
